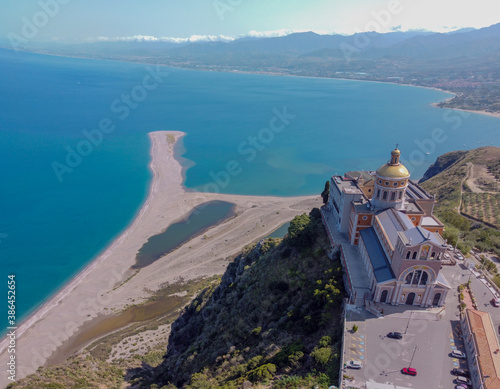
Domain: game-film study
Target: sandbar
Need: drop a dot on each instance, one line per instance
(100, 288)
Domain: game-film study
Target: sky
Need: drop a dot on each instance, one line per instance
(93, 20)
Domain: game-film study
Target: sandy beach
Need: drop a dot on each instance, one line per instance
(100, 288)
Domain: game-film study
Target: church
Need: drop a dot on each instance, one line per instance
(390, 218)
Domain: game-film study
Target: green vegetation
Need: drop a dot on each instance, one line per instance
(274, 321)
(482, 206)
(78, 372)
(326, 192)
(446, 183)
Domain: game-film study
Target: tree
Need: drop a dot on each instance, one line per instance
(326, 192)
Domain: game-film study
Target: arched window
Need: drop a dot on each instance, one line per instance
(408, 278)
(415, 253)
(408, 255)
(416, 277)
(393, 196)
(400, 195)
(423, 280)
(433, 255)
(378, 193)
(384, 196)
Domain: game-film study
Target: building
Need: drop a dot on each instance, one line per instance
(390, 218)
(482, 346)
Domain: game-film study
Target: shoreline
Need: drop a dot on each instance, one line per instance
(99, 290)
(269, 73)
(65, 289)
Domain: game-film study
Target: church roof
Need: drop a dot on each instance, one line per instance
(393, 221)
(393, 171)
(418, 235)
(380, 264)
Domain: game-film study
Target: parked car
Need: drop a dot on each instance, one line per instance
(409, 371)
(495, 302)
(395, 335)
(458, 354)
(353, 364)
(463, 380)
(461, 386)
(446, 256)
(462, 372)
(459, 256)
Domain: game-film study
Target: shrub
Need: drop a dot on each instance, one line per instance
(262, 373)
(321, 356)
(325, 341)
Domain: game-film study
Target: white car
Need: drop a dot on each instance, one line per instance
(458, 354)
(446, 256)
(354, 364)
(463, 380)
(459, 256)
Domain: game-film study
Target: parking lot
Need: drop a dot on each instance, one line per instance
(429, 336)
(427, 345)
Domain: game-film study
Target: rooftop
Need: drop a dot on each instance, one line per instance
(416, 192)
(412, 208)
(392, 222)
(418, 235)
(364, 174)
(487, 345)
(346, 185)
(430, 221)
(381, 267)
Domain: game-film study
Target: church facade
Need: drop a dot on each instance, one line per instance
(390, 218)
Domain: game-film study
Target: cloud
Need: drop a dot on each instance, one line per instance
(202, 38)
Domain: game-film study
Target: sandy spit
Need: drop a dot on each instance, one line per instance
(100, 289)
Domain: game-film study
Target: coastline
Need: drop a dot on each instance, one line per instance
(98, 290)
(53, 300)
(277, 74)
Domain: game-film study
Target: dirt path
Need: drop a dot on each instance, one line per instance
(478, 172)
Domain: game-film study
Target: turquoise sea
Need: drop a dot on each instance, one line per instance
(51, 227)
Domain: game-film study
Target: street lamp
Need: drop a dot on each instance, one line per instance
(408, 324)
(414, 351)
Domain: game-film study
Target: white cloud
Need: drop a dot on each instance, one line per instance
(203, 38)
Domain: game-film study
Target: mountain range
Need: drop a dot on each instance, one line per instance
(464, 62)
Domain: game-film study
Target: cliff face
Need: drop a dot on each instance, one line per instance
(274, 317)
(442, 163)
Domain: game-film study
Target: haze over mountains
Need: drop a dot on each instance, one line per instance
(464, 61)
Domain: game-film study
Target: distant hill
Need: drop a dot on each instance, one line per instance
(464, 62)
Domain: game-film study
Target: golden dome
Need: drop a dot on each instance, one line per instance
(396, 152)
(393, 171)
